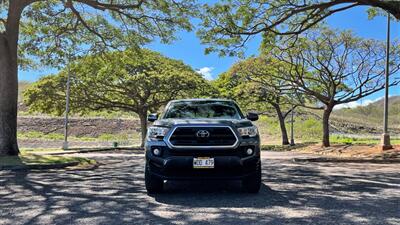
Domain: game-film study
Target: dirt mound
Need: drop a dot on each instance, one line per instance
(89, 127)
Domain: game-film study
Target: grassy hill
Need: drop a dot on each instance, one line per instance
(371, 116)
(22, 85)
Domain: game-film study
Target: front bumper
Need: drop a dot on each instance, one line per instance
(178, 164)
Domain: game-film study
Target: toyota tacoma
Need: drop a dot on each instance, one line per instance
(202, 139)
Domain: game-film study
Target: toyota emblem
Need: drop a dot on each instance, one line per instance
(203, 134)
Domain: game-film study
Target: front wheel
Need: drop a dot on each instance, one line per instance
(153, 184)
(252, 183)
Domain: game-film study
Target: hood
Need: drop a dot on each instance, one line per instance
(228, 122)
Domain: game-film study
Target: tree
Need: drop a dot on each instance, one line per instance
(254, 84)
(130, 81)
(333, 68)
(228, 25)
(42, 31)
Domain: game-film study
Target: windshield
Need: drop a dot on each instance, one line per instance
(203, 109)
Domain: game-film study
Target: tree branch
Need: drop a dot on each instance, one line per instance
(83, 22)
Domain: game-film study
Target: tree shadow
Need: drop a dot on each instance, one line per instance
(292, 193)
(218, 194)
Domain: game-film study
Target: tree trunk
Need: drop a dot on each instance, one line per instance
(8, 96)
(325, 126)
(281, 118)
(143, 126)
(9, 79)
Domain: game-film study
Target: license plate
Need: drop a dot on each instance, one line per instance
(203, 162)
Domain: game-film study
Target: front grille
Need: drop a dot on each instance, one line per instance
(217, 136)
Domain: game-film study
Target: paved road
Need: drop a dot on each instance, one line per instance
(292, 193)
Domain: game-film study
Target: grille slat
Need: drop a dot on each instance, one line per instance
(218, 136)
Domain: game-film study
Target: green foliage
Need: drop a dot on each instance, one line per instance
(46, 95)
(130, 81)
(316, 71)
(308, 129)
(338, 139)
(253, 83)
(228, 25)
(268, 126)
(374, 12)
(53, 29)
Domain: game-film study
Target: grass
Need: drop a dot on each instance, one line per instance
(40, 135)
(33, 159)
(57, 136)
(25, 151)
(335, 139)
(307, 129)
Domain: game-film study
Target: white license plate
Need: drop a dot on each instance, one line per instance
(203, 162)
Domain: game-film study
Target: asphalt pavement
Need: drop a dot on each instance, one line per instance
(292, 193)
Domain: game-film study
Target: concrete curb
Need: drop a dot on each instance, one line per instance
(347, 160)
(74, 151)
(39, 167)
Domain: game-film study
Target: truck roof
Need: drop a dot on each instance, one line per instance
(202, 99)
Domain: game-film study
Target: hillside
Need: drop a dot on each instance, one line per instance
(22, 85)
(370, 116)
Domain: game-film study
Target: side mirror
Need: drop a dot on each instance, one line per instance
(252, 116)
(152, 117)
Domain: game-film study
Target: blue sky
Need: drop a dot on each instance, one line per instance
(189, 49)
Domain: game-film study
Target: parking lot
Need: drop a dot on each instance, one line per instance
(292, 193)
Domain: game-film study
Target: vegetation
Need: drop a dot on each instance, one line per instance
(333, 68)
(254, 83)
(46, 32)
(321, 69)
(372, 111)
(34, 159)
(129, 81)
(312, 66)
(134, 136)
(228, 25)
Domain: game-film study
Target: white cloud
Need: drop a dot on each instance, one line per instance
(206, 72)
(357, 103)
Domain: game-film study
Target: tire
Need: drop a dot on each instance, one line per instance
(252, 183)
(154, 184)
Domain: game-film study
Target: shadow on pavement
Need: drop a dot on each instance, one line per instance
(114, 193)
(217, 194)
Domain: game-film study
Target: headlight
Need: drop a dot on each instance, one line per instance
(248, 131)
(154, 133)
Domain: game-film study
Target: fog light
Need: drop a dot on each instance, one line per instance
(157, 152)
(249, 151)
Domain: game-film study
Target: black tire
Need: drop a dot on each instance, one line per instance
(252, 183)
(153, 184)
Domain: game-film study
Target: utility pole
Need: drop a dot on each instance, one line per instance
(292, 129)
(66, 121)
(385, 140)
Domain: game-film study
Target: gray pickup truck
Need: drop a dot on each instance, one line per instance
(202, 139)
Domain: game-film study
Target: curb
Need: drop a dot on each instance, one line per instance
(73, 151)
(347, 160)
(40, 167)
